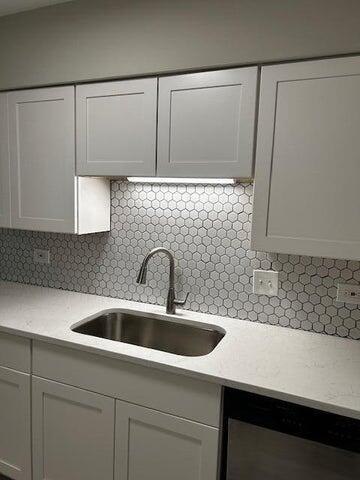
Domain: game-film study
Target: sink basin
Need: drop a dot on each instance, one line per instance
(153, 332)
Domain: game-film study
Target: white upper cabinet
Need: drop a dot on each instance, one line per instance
(42, 159)
(116, 128)
(4, 164)
(206, 124)
(307, 198)
(45, 194)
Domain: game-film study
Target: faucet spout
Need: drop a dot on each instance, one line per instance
(171, 302)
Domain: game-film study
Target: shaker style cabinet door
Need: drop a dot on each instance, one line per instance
(206, 124)
(307, 175)
(151, 445)
(42, 159)
(73, 433)
(15, 441)
(4, 164)
(116, 128)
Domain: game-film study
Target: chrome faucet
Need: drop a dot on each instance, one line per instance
(171, 302)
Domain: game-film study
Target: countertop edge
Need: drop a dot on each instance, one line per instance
(223, 382)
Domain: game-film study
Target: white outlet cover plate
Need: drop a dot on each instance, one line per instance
(266, 282)
(347, 293)
(41, 256)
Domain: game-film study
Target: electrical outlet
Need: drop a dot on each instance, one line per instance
(266, 282)
(348, 293)
(41, 256)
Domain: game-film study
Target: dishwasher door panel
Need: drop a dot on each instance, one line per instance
(257, 453)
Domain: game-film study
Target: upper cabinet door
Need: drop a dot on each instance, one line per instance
(4, 164)
(307, 197)
(42, 159)
(116, 128)
(206, 124)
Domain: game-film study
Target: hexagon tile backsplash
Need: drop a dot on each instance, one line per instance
(208, 229)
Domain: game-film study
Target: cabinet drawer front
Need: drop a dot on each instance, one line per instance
(116, 127)
(73, 433)
(156, 446)
(206, 124)
(163, 391)
(15, 352)
(15, 446)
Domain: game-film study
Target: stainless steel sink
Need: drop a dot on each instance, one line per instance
(153, 332)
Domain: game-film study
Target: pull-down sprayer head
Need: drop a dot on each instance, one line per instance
(141, 278)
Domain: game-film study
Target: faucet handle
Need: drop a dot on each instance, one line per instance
(181, 303)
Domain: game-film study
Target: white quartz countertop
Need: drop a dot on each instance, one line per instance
(307, 368)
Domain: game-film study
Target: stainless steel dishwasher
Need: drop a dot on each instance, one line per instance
(268, 439)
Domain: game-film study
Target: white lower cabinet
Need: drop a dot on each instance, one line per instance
(141, 424)
(151, 445)
(76, 432)
(73, 433)
(15, 443)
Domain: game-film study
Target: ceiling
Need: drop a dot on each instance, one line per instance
(8, 7)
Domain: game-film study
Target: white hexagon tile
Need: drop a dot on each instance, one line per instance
(208, 230)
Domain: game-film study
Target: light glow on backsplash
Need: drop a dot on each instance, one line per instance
(207, 227)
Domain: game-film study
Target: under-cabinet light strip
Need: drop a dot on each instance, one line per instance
(212, 181)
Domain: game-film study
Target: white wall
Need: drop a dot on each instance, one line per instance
(88, 39)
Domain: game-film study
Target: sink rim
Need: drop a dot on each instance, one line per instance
(176, 319)
(166, 317)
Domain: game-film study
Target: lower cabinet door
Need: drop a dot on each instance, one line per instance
(73, 433)
(150, 445)
(15, 443)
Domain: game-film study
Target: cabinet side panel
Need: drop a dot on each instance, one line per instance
(93, 200)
